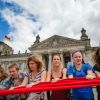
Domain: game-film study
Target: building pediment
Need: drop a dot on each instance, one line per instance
(56, 42)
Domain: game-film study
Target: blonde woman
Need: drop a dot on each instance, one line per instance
(58, 73)
(36, 74)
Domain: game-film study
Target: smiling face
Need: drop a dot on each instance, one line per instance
(56, 60)
(77, 58)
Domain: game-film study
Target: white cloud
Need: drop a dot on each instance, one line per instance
(62, 17)
(23, 35)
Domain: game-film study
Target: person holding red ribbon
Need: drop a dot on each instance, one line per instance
(36, 74)
(58, 72)
(96, 68)
(80, 70)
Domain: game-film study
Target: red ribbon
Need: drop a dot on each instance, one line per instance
(59, 85)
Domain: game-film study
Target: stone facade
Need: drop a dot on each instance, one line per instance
(45, 49)
(5, 49)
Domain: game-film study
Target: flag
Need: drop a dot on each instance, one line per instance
(7, 38)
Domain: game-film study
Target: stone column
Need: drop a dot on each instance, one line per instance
(84, 56)
(22, 66)
(88, 57)
(50, 62)
(62, 59)
(71, 60)
(71, 57)
(43, 59)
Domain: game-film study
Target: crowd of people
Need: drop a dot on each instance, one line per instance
(37, 73)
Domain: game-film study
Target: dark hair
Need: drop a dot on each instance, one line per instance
(56, 54)
(36, 60)
(3, 73)
(14, 65)
(97, 57)
(74, 51)
(83, 62)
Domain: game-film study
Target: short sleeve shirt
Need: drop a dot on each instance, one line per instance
(81, 93)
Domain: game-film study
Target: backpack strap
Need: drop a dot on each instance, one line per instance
(74, 69)
(84, 68)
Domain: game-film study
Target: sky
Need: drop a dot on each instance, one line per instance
(23, 20)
